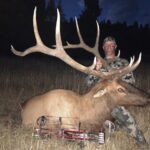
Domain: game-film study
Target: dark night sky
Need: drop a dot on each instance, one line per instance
(114, 10)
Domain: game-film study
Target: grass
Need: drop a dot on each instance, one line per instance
(22, 78)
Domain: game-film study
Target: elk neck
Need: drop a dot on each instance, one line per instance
(99, 96)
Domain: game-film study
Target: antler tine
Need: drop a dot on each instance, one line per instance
(36, 33)
(93, 64)
(136, 64)
(94, 50)
(58, 40)
(39, 47)
(133, 58)
(131, 61)
(131, 67)
(79, 33)
(35, 28)
(118, 55)
(97, 44)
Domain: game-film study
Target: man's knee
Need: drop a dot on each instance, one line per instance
(126, 121)
(122, 115)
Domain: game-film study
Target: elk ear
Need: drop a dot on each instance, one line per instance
(100, 93)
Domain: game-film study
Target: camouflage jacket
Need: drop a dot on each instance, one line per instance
(115, 64)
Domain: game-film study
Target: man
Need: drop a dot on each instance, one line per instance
(120, 114)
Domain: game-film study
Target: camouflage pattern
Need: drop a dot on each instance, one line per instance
(125, 121)
(122, 116)
(117, 63)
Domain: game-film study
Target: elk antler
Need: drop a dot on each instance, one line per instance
(94, 50)
(131, 67)
(58, 51)
(118, 55)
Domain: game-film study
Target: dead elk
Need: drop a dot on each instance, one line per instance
(95, 106)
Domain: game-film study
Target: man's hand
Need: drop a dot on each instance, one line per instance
(98, 65)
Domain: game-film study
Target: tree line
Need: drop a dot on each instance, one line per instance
(16, 27)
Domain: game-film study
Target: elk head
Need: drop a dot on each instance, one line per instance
(94, 106)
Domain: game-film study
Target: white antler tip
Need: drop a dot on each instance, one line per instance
(67, 42)
(11, 46)
(140, 55)
(35, 10)
(118, 55)
(75, 18)
(58, 11)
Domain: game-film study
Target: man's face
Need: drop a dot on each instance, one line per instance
(109, 47)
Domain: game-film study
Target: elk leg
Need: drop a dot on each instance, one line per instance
(127, 122)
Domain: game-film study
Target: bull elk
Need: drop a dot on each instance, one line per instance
(93, 107)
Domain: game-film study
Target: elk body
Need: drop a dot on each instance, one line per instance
(93, 107)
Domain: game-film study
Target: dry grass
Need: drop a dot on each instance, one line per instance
(21, 78)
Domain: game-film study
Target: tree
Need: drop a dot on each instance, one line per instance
(91, 10)
(51, 11)
(87, 20)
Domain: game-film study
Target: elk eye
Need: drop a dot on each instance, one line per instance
(121, 90)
